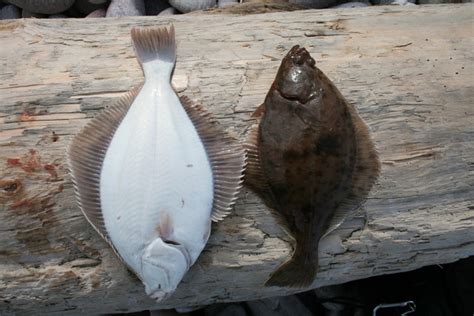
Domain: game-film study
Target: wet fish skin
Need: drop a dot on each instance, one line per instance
(148, 173)
(308, 144)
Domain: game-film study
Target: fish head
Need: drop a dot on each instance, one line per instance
(296, 76)
(164, 264)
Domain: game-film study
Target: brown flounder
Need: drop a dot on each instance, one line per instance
(311, 159)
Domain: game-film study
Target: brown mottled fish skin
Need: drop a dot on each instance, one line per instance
(315, 158)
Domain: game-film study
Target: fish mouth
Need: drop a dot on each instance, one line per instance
(299, 56)
(182, 249)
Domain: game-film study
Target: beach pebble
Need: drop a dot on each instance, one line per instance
(224, 3)
(126, 8)
(9, 12)
(169, 11)
(43, 6)
(186, 6)
(315, 4)
(394, 2)
(350, 5)
(27, 14)
(99, 13)
(57, 16)
(153, 7)
(87, 6)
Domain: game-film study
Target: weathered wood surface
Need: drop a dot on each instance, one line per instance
(408, 70)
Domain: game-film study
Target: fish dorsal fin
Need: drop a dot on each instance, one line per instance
(85, 156)
(254, 174)
(225, 154)
(366, 170)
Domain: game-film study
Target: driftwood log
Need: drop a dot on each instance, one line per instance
(408, 70)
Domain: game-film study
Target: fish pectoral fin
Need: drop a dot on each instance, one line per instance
(85, 156)
(226, 156)
(366, 171)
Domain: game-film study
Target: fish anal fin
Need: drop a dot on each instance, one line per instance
(366, 171)
(85, 156)
(226, 155)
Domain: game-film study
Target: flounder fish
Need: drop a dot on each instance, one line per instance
(311, 160)
(152, 171)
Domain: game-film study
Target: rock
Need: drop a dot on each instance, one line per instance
(9, 11)
(186, 6)
(395, 2)
(169, 11)
(153, 7)
(225, 310)
(99, 13)
(351, 5)
(57, 16)
(224, 3)
(43, 6)
(87, 6)
(27, 14)
(126, 8)
(315, 4)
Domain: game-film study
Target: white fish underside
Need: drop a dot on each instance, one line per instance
(156, 163)
(151, 172)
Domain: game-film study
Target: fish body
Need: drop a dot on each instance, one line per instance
(155, 179)
(311, 159)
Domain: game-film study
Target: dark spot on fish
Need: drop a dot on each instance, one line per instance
(328, 145)
(189, 165)
(182, 203)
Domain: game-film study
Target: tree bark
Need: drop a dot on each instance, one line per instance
(407, 70)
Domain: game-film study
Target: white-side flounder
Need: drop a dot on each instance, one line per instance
(152, 171)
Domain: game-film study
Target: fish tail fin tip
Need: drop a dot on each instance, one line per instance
(154, 43)
(293, 274)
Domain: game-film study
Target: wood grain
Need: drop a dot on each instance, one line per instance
(408, 70)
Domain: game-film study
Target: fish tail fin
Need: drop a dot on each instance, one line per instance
(298, 272)
(155, 48)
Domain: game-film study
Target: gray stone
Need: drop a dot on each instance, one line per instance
(315, 4)
(126, 8)
(153, 7)
(100, 13)
(225, 3)
(43, 6)
(394, 2)
(9, 12)
(186, 6)
(169, 11)
(57, 16)
(87, 6)
(351, 5)
(28, 14)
